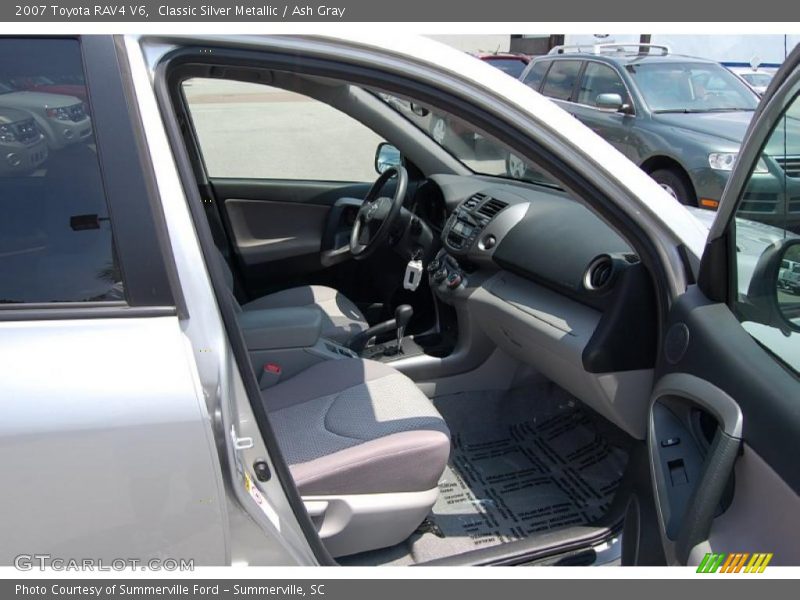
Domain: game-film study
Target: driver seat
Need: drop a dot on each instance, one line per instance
(341, 319)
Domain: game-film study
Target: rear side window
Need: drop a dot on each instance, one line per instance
(600, 79)
(561, 79)
(56, 243)
(510, 66)
(533, 78)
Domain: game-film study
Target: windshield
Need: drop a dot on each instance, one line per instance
(691, 87)
(475, 150)
(757, 79)
(510, 66)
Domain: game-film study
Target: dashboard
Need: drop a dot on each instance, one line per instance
(537, 233)
(553, 285)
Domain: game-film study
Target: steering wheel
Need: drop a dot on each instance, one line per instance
(377, 214)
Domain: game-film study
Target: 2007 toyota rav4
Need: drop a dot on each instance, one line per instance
(220, 340)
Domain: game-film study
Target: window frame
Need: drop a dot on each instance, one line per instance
(131, 194)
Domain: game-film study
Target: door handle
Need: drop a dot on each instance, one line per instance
(695, 524)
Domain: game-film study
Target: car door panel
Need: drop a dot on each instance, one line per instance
(267, 231)
(611, 126)
(725, 413)
(712, 370)
(276, 228)
(761, 514)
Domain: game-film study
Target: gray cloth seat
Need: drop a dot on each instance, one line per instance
(341, 319)
(356, 426)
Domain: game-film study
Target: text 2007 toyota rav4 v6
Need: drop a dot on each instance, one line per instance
(222, 340)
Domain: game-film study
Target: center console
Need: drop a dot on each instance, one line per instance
(464, 227)
(285, 341)
(469, 238)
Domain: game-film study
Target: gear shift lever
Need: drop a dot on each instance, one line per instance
(402, 315)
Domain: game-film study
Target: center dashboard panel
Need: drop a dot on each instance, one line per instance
(553, 286)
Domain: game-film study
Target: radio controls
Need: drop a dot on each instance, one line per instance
(465, 226)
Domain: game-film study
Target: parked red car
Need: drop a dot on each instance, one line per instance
(508, 62)
(39, 83)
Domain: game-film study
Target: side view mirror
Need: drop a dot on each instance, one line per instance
(611, 102)
(787, 285)
(387, 156)
(418, 110)
(774, 291)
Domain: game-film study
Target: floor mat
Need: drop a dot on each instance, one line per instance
(528, 477)
(523, 462)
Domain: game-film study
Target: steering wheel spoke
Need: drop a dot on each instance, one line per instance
(365, 235)
(378, 213)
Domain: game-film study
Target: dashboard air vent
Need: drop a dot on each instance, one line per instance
(475, 200)
(491, 207)
(599, 274)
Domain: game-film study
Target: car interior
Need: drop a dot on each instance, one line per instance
(454, 363)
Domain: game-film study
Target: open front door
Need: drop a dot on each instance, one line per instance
(725, 412)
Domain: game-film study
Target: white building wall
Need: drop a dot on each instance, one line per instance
(476, 43)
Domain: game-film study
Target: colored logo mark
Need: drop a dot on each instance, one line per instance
(740, 562)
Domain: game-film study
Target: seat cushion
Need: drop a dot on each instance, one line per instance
(356, 426)
(341, 319)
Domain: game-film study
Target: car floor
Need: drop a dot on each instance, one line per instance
(523, 462)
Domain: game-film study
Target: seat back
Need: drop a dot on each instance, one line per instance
(229, 280)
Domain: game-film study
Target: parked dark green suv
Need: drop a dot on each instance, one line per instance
(682, 119)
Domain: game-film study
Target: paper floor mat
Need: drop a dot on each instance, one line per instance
(527, 477)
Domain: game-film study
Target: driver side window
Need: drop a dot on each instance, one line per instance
(255, 131)
(767, 226)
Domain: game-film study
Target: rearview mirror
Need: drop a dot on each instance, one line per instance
(610, 102)
(387, 156)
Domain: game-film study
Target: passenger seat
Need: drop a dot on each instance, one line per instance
(366, 449)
